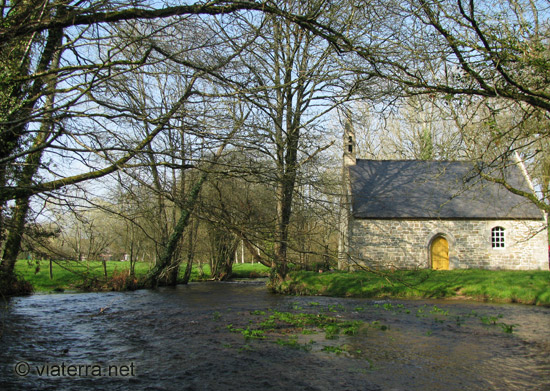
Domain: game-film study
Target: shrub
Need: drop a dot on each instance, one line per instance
(121, 281)
(14, 285)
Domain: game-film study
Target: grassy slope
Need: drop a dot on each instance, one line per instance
(529, 287)
(67, 274)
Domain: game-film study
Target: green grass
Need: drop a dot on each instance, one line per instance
(248, 270)
(240, 270)
(68, 275)
(528, 287)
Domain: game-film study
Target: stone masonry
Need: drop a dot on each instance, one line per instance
(406, 243)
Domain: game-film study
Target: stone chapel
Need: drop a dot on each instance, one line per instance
(436, 214)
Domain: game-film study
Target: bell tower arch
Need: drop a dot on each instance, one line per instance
(350, 145)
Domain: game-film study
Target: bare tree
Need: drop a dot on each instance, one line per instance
(419, 127)
(289, 81)
(69, 139)
(467, 53)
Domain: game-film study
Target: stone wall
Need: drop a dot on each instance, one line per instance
(406, 243)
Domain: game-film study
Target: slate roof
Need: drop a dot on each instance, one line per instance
(391, 189)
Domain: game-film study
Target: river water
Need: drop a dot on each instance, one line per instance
(190, 338)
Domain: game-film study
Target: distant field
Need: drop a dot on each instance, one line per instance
(528, 287)
(68, 275)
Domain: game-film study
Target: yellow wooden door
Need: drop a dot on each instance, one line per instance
(440, 254)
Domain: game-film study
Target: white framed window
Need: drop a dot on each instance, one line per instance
(497, 237)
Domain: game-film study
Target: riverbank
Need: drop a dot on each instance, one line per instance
(525, 287)
(79, 276)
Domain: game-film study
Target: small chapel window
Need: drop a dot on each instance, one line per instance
(350, 144)
(497, 237)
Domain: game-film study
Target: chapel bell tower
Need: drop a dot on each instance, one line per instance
(349, 159)
(349, 144)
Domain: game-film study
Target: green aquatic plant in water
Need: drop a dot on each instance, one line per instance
(257, 312)
(490, 320)
(507, 328)
(288, 323)
(436, 310)
(334, 349)
(292, 342)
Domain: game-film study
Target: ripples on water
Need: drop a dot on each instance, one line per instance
(177, 339)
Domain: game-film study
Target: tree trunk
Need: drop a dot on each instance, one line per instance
(165, 260)
(188, 268)
(285, 191)
(15, 60)
(13, 241)
(172, 273)
(190, 252)
(224, 244)
(12, 245)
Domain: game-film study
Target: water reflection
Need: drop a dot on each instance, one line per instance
(179, 339)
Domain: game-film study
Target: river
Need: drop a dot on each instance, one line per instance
(191, 338)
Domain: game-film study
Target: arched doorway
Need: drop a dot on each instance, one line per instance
(439, 252)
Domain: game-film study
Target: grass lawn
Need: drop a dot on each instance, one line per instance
(528, 287)
(67, 275)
